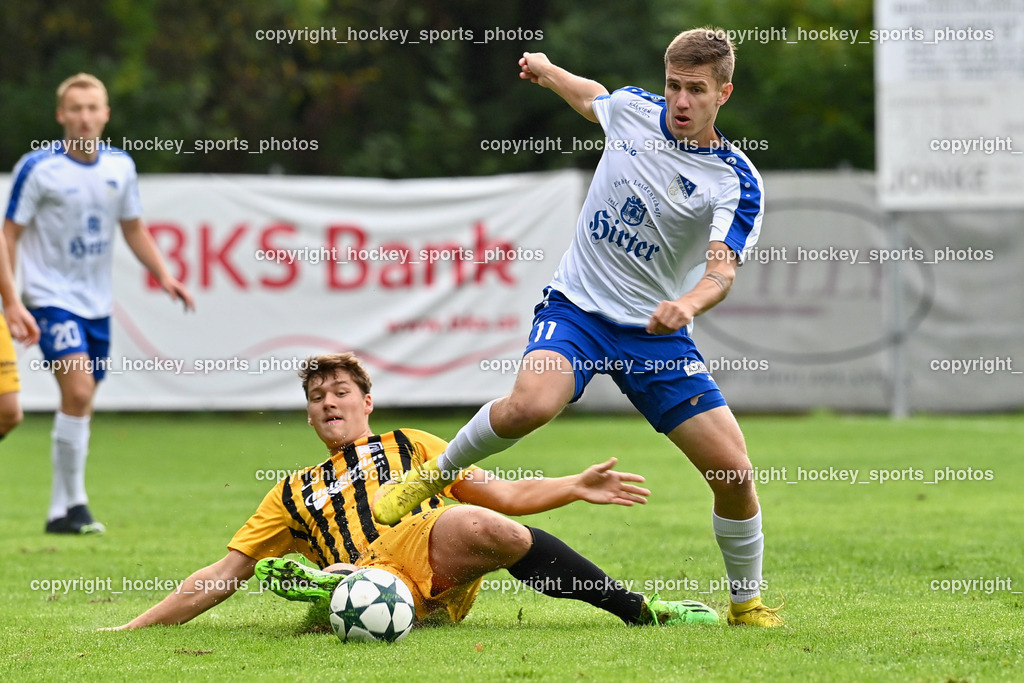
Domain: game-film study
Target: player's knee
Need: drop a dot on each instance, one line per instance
(739, 487)
(488, 533)
(77, 399)
(523, 414)
(517, 539)
(733, 478)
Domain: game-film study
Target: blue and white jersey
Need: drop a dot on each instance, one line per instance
(653, 206)
(70, 211)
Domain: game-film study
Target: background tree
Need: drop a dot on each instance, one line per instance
(193, 70)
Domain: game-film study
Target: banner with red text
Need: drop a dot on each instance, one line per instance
(427, 280)
(433, 283)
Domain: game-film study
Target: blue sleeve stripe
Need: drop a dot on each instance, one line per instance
(640, 92)
(19, 182)
(747, 209)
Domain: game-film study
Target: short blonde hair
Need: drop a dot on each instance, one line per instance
(79, 80)
(700, 46)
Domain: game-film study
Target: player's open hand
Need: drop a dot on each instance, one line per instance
(533, 66)
(22, 325)
(179, 292)
(602, 485)
(668, 317)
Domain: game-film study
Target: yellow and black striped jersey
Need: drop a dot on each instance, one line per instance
(323, 512)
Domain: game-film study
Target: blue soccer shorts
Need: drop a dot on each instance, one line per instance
(64, 334)
(664, 376)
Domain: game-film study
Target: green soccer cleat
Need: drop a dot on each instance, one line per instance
(674, 612)
(296, 581)
(400, 498)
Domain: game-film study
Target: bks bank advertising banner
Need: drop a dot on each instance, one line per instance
(431, 282)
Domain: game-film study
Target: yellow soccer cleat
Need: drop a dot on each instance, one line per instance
(754, 613)
(397, 499)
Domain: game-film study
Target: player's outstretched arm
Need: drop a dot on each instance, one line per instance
(719, 274)
(579, 92)
(205, 588)
(144, 248)
(22, 325)
(599, 484)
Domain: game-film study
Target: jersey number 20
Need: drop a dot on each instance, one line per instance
(65, 335)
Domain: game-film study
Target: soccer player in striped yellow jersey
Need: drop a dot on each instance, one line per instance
(324, 511)
(440, 551)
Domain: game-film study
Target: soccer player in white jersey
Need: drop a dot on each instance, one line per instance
(668, 181)
(65, 203)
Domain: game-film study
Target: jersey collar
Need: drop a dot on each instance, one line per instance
(61, 150)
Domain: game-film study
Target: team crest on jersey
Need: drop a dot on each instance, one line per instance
(633, 211)
(680, 189)
(89, 240)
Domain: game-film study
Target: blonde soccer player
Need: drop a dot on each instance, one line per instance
(67, 200)
(668, 184)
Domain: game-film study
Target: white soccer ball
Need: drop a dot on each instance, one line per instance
(372, 604)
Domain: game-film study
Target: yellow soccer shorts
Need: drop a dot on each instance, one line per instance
(404, 550)
(8, 361)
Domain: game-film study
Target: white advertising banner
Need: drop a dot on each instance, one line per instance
(427, 280)
(433, 283)
(949, 83)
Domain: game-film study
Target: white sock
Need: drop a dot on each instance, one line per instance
(70, 450)
(474, 442)
(742, 545)
(58, 490)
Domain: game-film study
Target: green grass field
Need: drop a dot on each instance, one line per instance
(858, 564)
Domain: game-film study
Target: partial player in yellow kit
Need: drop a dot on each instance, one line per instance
(22, 326)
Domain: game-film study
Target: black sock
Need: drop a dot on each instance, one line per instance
(552, 568)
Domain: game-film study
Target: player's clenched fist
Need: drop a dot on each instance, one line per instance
(534, 66)
(668, 317)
